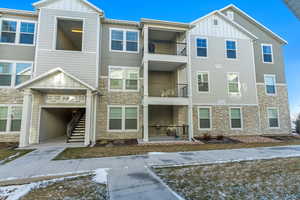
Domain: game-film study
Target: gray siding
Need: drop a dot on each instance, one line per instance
(117, 58)
(17, 52)
(218, 66)
(83, 64)
(278, 67)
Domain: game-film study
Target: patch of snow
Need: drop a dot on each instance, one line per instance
(156, 153)
(101, 175)
(9, 158)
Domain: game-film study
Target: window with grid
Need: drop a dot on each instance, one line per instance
(16, 118)
(233, 83)
(115, 118)
(124, 40)
(267, 53)
(231, 49)
(131, 41)
(6, 74)
(131, 118)
(273, 118)
(27, 33)
(270, 83)
(3, 118)
(117, 40)
(236, 118)
(123, 118)
(201, 47)
(204, 118)
(123, 79)
(203, 83)
(131, 80)
(8, 31)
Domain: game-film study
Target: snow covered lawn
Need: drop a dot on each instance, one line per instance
(265, 179)
(89, 186)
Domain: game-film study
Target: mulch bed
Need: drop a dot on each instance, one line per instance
(8, 145)
(112, 143)
(224, 140)
(284, 138)
(254, 139)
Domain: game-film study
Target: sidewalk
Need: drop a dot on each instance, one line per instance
(129, 177)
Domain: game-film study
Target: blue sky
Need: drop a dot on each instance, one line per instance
(272, 13)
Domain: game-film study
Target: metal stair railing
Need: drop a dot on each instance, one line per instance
(72, 124)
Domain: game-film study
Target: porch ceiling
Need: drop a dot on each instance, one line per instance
(163, 66)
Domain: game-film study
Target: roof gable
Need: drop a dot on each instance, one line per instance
(255, 22)
(226, 26)
(72, 5)
(56, 79)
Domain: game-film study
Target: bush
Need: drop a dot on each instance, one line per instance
(220, 137)
(206, 136)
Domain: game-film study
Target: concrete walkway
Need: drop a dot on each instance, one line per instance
(129, 176)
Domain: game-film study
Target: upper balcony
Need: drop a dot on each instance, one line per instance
(165, 41)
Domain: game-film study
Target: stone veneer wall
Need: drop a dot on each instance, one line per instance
(221, 121)
(117, 98)
(10, 96)
(280, 101)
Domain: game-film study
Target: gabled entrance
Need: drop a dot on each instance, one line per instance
(57, 104)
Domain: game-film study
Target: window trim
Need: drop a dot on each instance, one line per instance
(203, 92)
(55, 33)
(275, 85)
(124, 68)
(210, 118)
(9, 118)
(278, 115)
(124, 40)
(236, 49)
(242, 120)
(14, 71)
(262, 53)
(123, 107)
(196, 49)
(239, 85)
(18, 31)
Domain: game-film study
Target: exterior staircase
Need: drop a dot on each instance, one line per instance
(76, 129)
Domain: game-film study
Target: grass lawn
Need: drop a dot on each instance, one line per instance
(8, 154)
(81, 187)
(97, 152)
(77, 188)
(265, 179)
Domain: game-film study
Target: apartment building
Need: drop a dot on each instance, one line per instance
(67, 71)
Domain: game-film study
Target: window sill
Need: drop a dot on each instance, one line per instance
(119, 51)
(17, 44)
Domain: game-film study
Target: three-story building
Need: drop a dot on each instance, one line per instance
(67, 71)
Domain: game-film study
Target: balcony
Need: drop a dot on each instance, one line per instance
(167, 88)
(167, 46)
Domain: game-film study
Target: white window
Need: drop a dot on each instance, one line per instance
(267, 53)
(203, 82)
(14, 73)
(230, 15)
(201, 46)
(124, 40)
(204, 118)
(231, 49)
(27, 33)
(233, 83)
(123, 79)
(270, 83)
(8, 31)
(236, 118)
(10, 118)
(273, 117)
(123, 118)
(17, 32)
